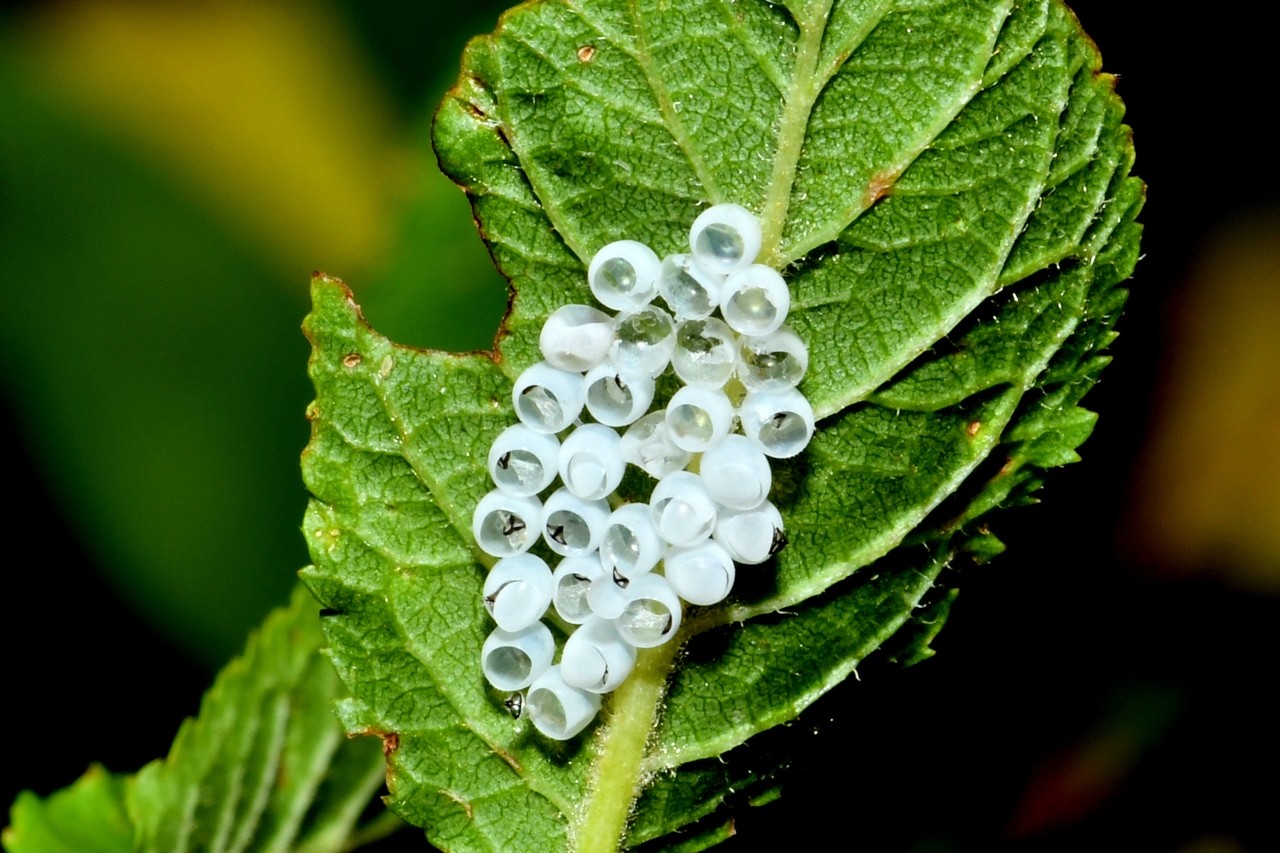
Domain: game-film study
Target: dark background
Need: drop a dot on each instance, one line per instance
(1104, 682)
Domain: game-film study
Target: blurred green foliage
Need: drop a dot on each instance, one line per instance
(169, 177)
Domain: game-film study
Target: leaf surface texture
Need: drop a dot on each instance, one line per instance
(946, 186)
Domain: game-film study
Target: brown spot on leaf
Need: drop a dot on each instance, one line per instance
(973, 428)
(878, 187)
(390, 740)
(586, 53)
(352, 359)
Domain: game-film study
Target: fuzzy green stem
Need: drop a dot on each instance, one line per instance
(795, 119)
(616, 776)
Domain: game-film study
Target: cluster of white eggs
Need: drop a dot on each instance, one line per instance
(624, 572)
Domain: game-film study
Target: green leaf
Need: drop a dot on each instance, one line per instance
(87, 817)
(263, 767)
(946, 187)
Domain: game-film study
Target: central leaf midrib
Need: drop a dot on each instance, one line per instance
(624, 742)
(622, 749)
(797, 107)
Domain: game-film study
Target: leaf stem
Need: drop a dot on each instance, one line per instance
(795, 119)
(616, 776)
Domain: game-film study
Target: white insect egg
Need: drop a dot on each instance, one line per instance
(624, 275)
(596, 658)
(504, 525)
(607, 595)
(512, 660)
(755, 301)
(682, 509)
(653, 612)
(576, 337)
(700, 574)
(690, 291)
(625, 575)
(548, 399)
(736, 473)
(573, 526)
(781, 422)
(558, 710)
(698, 417)
(706, 352)
(725, 238)
(772, 362)
(616, 397)
(631, 544)
(517, 591)
(645, 339)
(648, 446)
(523, 461)
(570, 582)
(751, 536)
(591, 465)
